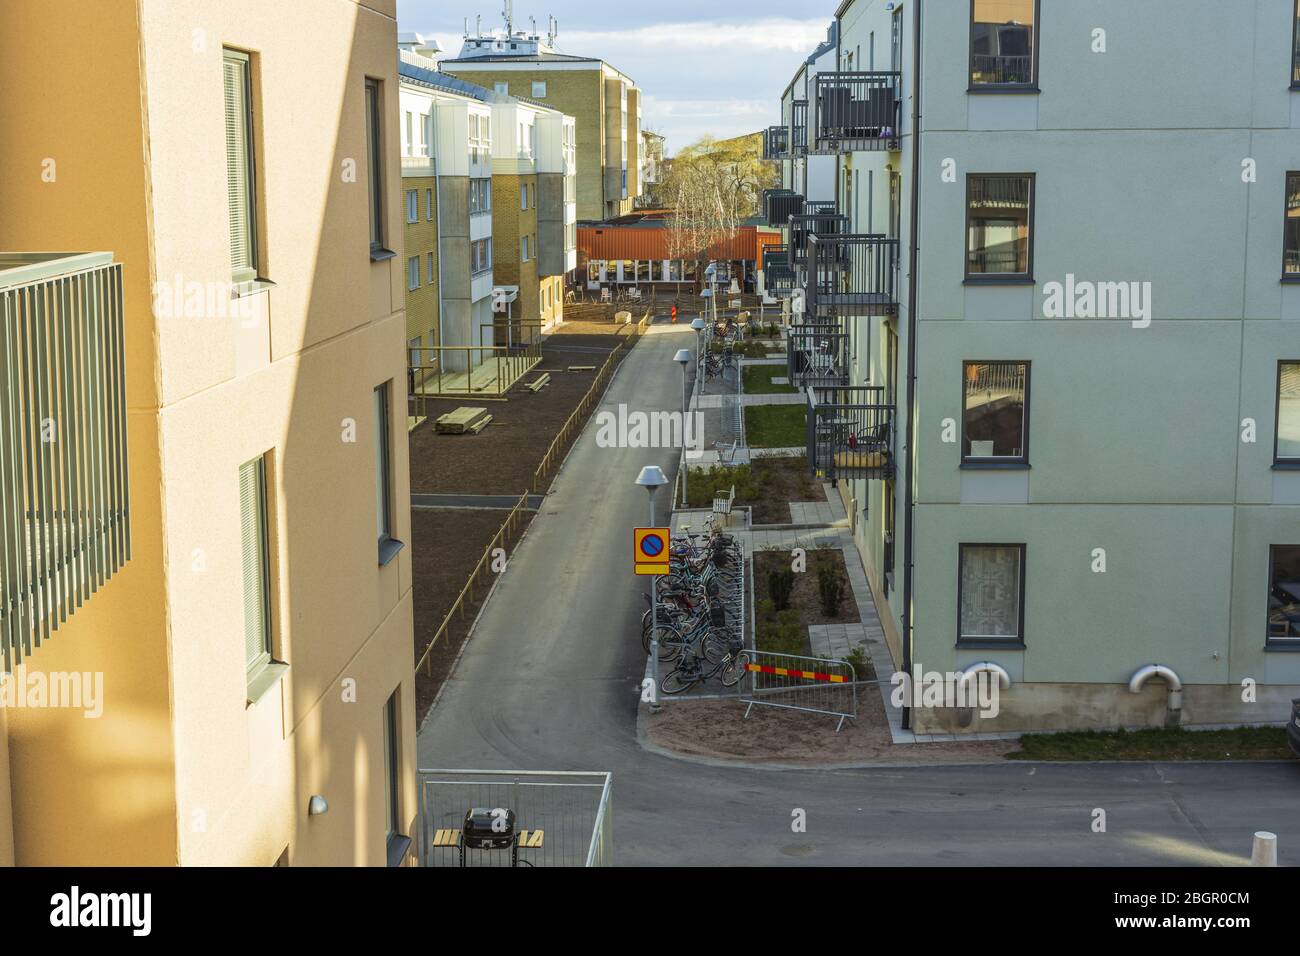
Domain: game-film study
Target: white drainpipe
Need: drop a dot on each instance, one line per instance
(1174, 715)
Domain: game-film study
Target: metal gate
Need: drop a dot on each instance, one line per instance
(561, 818)
(818, 685)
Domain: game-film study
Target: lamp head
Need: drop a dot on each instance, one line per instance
(651, 477)
(683, 356)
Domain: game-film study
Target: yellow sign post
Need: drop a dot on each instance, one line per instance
(650, 550)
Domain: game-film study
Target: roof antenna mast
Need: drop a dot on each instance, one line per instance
(508, 13)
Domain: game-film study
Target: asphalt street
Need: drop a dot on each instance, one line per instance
(550, 682)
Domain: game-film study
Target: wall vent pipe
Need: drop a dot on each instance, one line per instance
(1174, 714)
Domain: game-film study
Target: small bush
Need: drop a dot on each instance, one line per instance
(857, 659)
(780, 582)
(830, 587)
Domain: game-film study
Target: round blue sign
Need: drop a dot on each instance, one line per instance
(652, 545)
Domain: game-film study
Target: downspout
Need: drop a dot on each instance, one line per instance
(437, 241)
(912, 286)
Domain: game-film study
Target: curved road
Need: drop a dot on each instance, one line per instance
(550, 682)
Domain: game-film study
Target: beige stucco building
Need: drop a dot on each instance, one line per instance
(264, 364)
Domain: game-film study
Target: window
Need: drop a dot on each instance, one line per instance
(412, 205)
(523, 195)
(539, 89)
(414, 351)
(429, 257)
(1283, 595)
(428, 204)
(255, 559)
(397, 844)
(501, 88)
(480, 195)
(995, 413)
(1003, 48)
(1295, 48)
(412, 273)
(642, 270)
(1286, 439)
(374, 154)
(388, 545)
(991, 594)
(241, 193)
(999, 223)
(1291, 228)
(481, 255)
(523, 248)
(409, 145)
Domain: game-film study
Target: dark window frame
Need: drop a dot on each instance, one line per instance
(1272, 643)
(1286, 221)
(1295, 48)
(1018, 641)
(389, 546)
(1000, 278)
(1030, 87)
(254, 271)
(374, 104)
(1278, 461)
(999, 461)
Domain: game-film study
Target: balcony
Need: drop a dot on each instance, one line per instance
(798, 128)
(817, 217)
(778, 277)
(850, 433)
(856, 112)
(852, 274)
(779, 205)
(64, 516)
(817, 355)
(776, 142)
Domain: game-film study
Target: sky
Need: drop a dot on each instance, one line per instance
(703, 68)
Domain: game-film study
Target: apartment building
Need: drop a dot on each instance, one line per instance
(209, 564)
(533, 171)
(604, 102)
(1032, 259)
(447, 134)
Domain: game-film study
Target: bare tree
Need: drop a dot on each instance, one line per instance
(712, 186)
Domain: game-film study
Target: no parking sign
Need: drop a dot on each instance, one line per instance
(650, 550)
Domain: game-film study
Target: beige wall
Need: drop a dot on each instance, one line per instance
(180, 767)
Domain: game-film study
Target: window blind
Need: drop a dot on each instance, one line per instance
(252, 540)
(239, 167)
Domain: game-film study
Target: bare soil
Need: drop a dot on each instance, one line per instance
(783, 480)
(805, 597)
(718, 729)
(503, 457)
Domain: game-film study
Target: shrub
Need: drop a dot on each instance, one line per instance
(831, 589)
(780, 582)
(857, 659)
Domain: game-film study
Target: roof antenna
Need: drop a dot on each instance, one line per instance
(532, 26)
(507, 12)
(466, 34)
(550, 30)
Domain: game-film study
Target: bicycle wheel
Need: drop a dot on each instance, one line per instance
(671, 641)
(732, 672)
(677, 681)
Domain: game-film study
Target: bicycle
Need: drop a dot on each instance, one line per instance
(691, 669)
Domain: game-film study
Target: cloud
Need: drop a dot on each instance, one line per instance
(767, 35)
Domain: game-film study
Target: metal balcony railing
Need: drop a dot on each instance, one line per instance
(817, 355)
(850, 432)
(780, 204)
(798, 127)
(852, 274)
(818, 217)
(856, 112)
(778, 277)
(65, 525)
(776, 142)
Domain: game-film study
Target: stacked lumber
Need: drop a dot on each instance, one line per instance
(462, 420)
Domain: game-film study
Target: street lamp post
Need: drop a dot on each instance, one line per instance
(697, 324)
(652, 479)
(683, 358)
